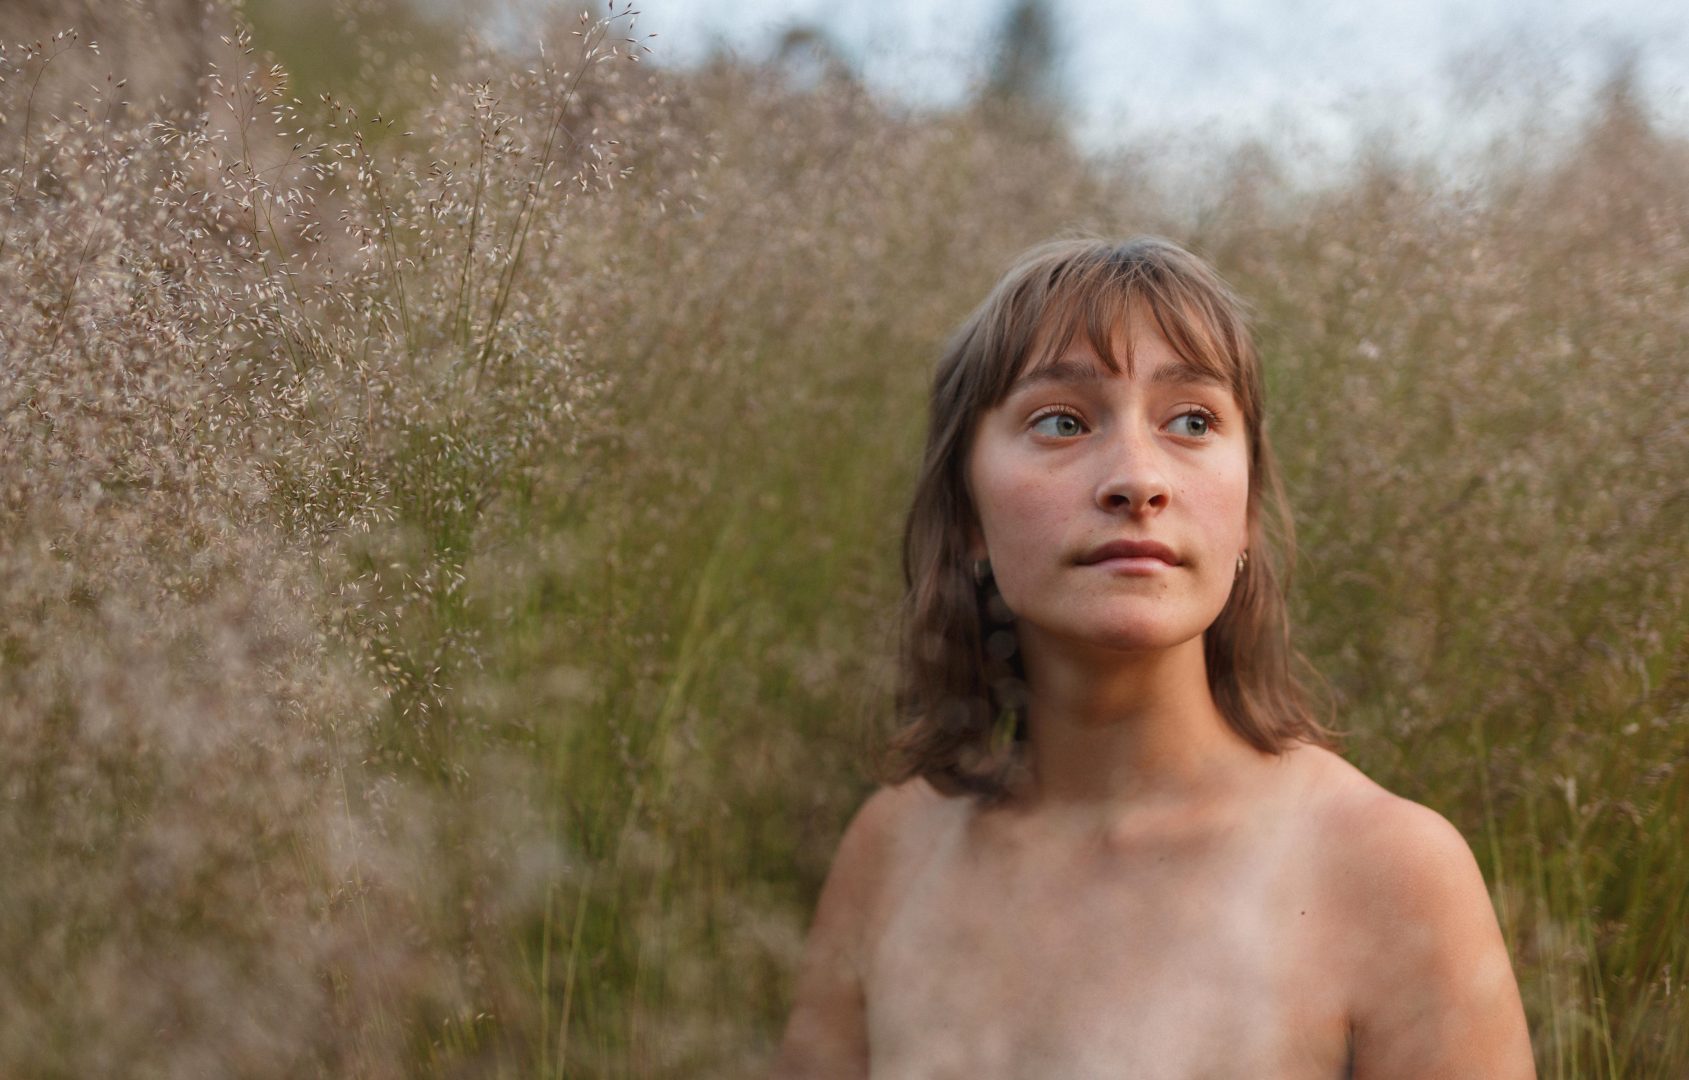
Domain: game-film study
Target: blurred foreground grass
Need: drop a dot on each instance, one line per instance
(447, 572)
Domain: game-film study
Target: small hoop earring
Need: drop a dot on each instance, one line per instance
(1242, 561)
(982, 570)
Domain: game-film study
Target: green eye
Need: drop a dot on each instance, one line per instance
(1060, 424)
(1197, 424)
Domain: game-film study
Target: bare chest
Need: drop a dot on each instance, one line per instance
(1089, 965)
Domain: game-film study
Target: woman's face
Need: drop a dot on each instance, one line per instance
(1076, 458)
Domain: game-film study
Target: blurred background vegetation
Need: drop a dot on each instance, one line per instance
(449, 496)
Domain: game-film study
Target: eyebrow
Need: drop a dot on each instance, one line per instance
(1069, 371)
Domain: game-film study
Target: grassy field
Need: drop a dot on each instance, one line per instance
(448, 558)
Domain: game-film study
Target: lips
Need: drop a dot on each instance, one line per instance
(1130, 549)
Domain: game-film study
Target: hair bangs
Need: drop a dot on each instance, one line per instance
(1213, 340)
(1097, 294)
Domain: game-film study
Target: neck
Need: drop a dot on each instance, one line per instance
(1114, 735)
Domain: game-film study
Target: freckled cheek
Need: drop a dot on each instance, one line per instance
(1220, 501)
(1022, 517)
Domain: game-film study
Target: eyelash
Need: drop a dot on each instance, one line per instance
(1191, 409)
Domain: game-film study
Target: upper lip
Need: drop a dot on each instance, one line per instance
(1130, 549)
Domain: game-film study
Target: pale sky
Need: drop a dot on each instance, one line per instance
(1440, 71)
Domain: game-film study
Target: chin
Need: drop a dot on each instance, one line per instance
(1134, 640)
(1133, 634)
(1117, 623)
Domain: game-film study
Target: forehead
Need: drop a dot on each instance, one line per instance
(1073, 338)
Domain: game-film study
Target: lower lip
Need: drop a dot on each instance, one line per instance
(1137, 564)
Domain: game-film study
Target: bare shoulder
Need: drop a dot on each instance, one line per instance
(1367, 834)
(869, 855)
(1394, 857)
(1390, 860)
(892, 820)
(1432, 986)
(911, 803)
(826, 1035)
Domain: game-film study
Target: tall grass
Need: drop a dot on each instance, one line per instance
(449, 564)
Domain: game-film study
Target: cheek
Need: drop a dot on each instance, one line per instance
(1235, 509)
(1223, 505)
(1017, 513)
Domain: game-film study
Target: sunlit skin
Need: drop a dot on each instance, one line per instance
(1075, 458)
(1157, 898)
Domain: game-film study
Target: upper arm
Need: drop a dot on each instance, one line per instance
(1438, 998)
(827, 1034)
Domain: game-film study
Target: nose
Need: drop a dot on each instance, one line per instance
(1133, 480)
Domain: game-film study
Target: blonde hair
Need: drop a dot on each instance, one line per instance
(961, 694)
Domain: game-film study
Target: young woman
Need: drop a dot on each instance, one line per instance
(1116, 842)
